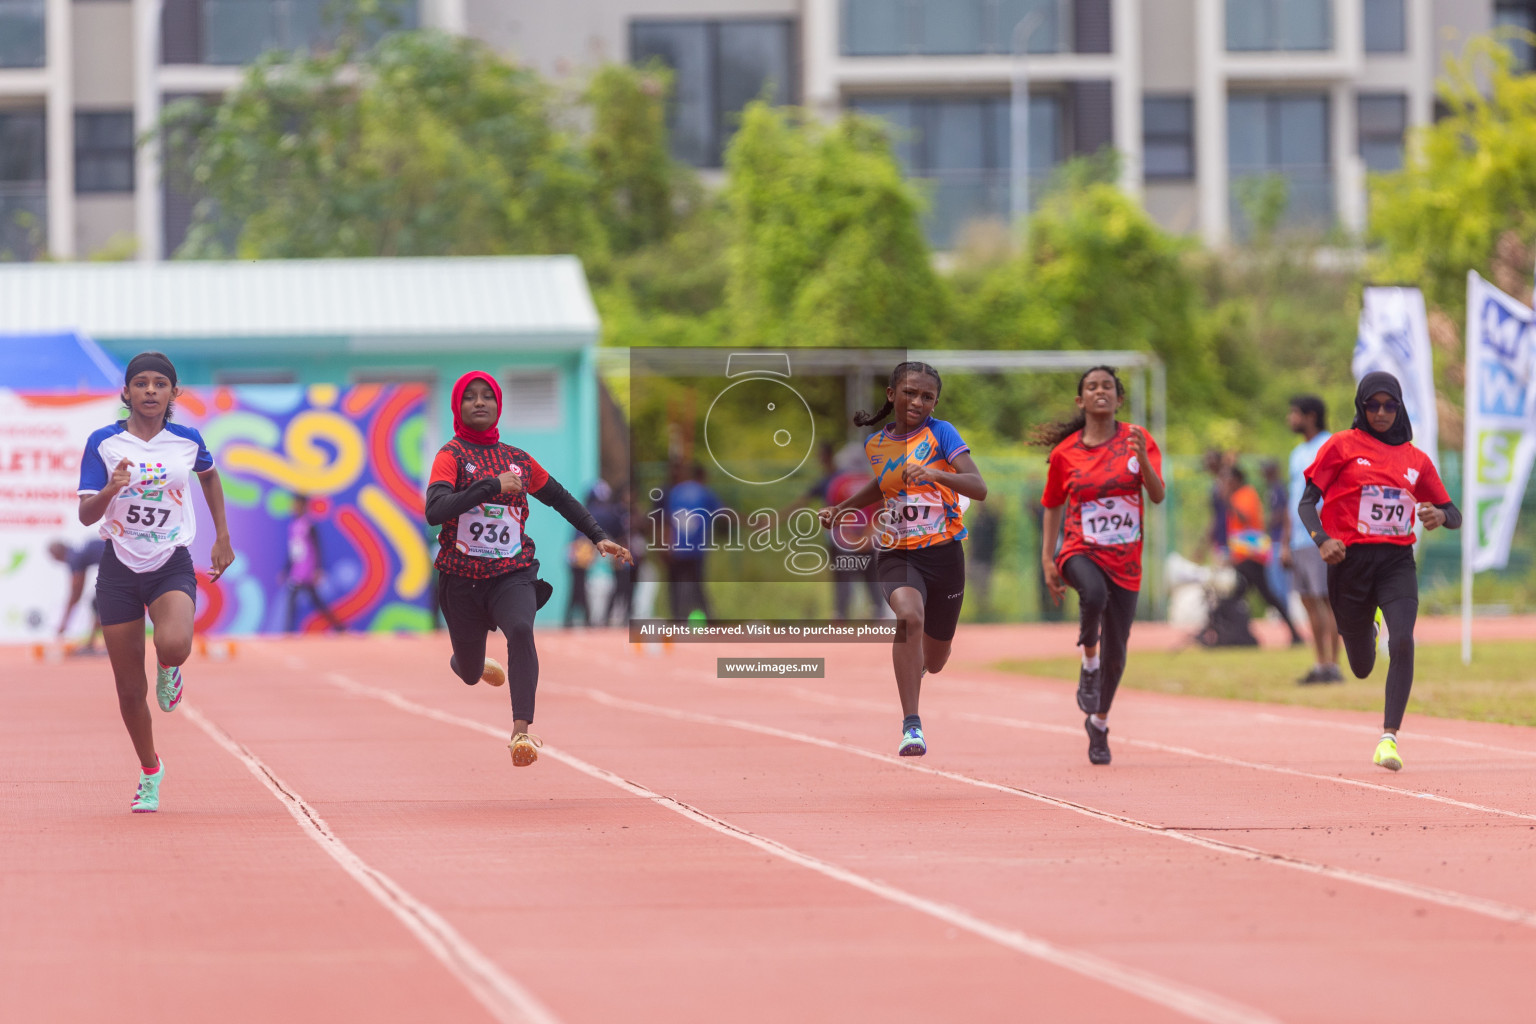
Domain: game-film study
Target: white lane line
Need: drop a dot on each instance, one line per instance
(506, 1000)
(1443, 897)
(1191, 1002)
(1003, 689)
(1062, 730)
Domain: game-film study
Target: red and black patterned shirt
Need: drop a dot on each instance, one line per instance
(1101, 487)
(486, 539)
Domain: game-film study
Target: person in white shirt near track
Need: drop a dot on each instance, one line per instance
(1309, 576)
(135, 479)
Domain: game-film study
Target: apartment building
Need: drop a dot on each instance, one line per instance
(1199, 96)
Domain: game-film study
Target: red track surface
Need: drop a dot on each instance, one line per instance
(344, 837)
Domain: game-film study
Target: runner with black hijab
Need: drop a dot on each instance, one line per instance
(1373, 483)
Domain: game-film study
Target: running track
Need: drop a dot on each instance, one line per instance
(344, 838)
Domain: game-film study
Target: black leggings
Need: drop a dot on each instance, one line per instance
(1253, 575)
(472, 608)
(1107, 611)
(1378, 576)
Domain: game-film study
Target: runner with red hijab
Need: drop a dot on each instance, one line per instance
(1373, 484)
(488, 575)
(1098, 470)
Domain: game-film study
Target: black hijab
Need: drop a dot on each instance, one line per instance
(1375, 383)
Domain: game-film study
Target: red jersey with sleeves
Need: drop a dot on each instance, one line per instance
(1101, 487)
(1371, 489)
(488, 540)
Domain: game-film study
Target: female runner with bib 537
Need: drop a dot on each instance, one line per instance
(134, 479)
(1373, 484)
(1098, 470)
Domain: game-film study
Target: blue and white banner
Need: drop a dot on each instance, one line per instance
(1500, 421)
(1394, 337)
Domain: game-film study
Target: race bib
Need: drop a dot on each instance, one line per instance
(150, 516)
(1111, 521)
(1385, 511)
(490, 531)
(913, 517)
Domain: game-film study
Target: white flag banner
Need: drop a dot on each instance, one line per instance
(1394, 337)
(1500, 421)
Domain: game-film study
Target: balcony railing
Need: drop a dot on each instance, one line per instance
(23, 222)
(23, 34)
(235, 32)
(875, 28)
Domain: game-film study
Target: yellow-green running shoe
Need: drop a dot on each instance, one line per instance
(1387, 755)
(147, 799)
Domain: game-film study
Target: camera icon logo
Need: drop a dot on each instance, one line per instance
(759, 430)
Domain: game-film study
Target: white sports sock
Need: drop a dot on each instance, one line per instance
(1090, 663)
(1099, 722)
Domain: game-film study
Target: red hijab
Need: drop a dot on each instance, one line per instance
(460, 430)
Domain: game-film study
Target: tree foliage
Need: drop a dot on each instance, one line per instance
(826, 247)
(1469, 180)
(425, 144)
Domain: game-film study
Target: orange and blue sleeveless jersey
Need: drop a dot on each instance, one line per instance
(921, 515)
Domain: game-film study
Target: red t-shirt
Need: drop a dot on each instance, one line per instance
(495, 528)
(1101, 487)
(1371, 489)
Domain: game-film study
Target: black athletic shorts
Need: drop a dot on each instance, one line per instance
(1369, 577)
(122, 594)
(937, 573)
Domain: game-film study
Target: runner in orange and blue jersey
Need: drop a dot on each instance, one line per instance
(1099, 468)
(924, 476)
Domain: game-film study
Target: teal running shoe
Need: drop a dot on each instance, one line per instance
(912, 742)
(147, 799)
(168, 687)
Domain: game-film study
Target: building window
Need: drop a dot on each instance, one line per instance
(1259, 25)
(23, 42)
(1518, 14)
(1386, 27)
(228, 32)
(23, 184)
(1168, 137)
(1383, 124)
(884, 28)
(1282, 135)
(718, 68)
(104, 152)
(962, 147)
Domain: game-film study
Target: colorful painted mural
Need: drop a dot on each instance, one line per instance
(357, 454)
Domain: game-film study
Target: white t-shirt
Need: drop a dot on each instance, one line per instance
(151, 517)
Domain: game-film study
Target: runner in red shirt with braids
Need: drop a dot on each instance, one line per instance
(1098, 470)
(1373, 484)
(478, 494)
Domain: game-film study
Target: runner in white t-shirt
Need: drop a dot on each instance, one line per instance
(135, 479)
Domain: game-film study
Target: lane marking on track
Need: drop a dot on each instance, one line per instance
(1003, 689)
(1443, 897)
(1004, 721)
(1191, 1002)
(506, 1000)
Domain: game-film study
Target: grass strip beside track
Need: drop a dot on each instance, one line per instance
(1499, 685)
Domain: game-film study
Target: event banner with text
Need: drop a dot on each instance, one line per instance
(357, 454)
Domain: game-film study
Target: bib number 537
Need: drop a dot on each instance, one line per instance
(144, 515)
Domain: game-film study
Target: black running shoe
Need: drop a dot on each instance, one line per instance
(1333, 674)
(1098, 742)
(1315, 674)
(1088, 689)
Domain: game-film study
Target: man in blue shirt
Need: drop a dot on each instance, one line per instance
(1309, 575)
(690, 520)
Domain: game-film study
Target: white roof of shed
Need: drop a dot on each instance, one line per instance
(453, 296)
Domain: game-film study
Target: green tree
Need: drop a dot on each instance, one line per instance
(826, 247)
(640, 189)
(423, 145)
(1469, 180)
